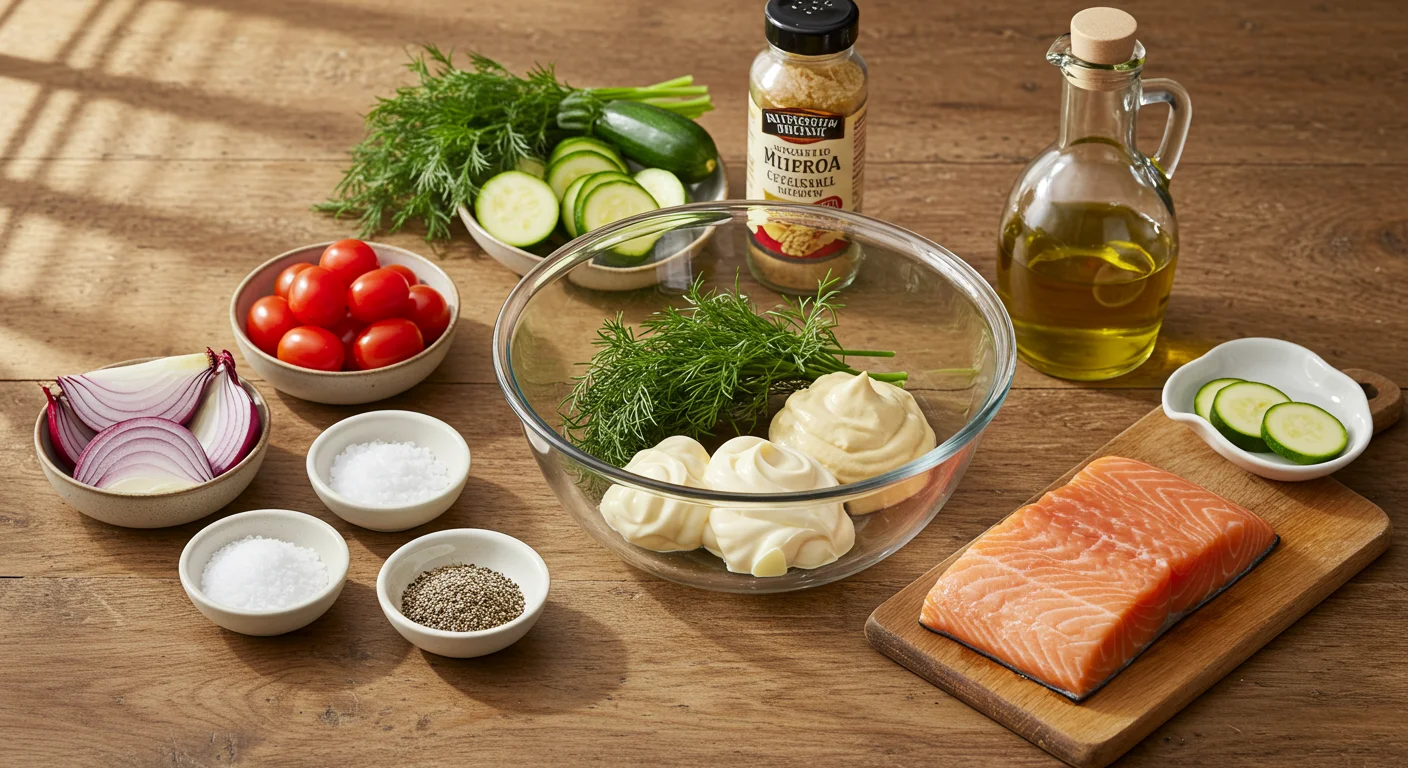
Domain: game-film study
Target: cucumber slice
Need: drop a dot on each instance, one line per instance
(1303, 433)
(586, 144)
(1202, 402)
(1237, 412)
(592, 182)
(664, 186)
(516, 208)
(613, 201)
(532, 166)
(569, 206)
(575, 165)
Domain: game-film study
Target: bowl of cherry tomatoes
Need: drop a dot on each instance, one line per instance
(346, 322)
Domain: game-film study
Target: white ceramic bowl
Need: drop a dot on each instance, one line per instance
(286, 525)
(488, 549)
(1294, 370)
(342, 387)
(153, 510)
(391, 427)
(598, 277)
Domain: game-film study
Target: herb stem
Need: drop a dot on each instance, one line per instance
(860, 352)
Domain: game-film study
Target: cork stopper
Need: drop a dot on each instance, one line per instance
(1103, 36)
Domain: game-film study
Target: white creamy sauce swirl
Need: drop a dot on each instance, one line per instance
(655, 522)
(856, 428)
(766, 542)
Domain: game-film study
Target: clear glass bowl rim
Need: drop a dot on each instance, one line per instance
(939, 259)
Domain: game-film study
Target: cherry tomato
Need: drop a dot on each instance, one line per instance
(349, 259)
(377, 295)
(428, 310)
(269, 319)
(309, 346)
(403, 271)
(286, 277)
(318, 297)
(347, 330)
(387, 342)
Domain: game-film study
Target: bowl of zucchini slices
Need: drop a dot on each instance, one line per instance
(1273, 408)
(641, 161)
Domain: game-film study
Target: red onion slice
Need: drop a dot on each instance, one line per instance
(168, 388)
(143, 455)
(227, 423)
(68, 435)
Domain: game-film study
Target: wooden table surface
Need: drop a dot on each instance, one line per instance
(153, 151)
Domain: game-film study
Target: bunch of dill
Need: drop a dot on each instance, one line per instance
(690, 371)
(430, 147)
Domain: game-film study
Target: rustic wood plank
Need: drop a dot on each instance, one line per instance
(146, 232)
(505, 491)
(620, 674)
(959, 83)
(1327, 534)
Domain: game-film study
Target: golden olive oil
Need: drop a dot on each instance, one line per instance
(1087, 289)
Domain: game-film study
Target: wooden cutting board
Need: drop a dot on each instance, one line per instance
(1328, 533)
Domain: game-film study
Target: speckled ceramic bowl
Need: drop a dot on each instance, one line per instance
(342, 387)
(153, 510)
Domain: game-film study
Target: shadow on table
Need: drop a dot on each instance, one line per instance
(352, 639)
(568, 661)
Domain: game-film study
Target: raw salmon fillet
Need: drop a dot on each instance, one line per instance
(1068, 590)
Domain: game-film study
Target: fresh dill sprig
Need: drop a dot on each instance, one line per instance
(691, 370)
(430, 147)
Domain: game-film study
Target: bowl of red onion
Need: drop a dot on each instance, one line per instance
(346, 322)
(155, 442)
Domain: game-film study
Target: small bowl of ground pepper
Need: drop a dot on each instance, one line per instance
(464, 592)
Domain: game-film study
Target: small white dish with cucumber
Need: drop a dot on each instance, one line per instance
(638, 159)
(1276, 409)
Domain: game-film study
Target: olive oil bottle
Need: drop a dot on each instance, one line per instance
(1087, 289)
(1089, 241)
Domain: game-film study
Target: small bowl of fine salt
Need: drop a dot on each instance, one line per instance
(389, 470)
(264, 572)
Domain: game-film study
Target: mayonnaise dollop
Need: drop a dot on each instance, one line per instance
(766, 542)
(655, 522)
(857, 428)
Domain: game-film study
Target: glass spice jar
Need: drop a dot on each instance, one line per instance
(806, 141)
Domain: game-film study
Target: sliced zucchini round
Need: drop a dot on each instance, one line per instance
(569, 205)
(665, 187)
(575, 165)
(586, 144)
(1303, 433)
(516, 208)
(613, 201)
(1237, 412)
(1202, 402)
(592, 182)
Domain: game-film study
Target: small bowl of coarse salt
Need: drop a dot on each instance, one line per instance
(264, 572)
(463, 592)
(389, 470)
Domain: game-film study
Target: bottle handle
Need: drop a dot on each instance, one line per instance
(1158, 90)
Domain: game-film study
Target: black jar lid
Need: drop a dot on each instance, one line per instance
(812, 27)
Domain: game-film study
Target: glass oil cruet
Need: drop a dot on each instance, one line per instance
(1088, 241)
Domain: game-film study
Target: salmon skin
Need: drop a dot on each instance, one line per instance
(1067, 591)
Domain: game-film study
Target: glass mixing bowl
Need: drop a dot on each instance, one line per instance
(945, 324)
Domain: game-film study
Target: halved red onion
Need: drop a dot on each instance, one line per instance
(69, 435)
(168, 388)
(227, 423)
(143, 455)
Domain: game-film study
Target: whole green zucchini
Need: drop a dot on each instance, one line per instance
(658, 138)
